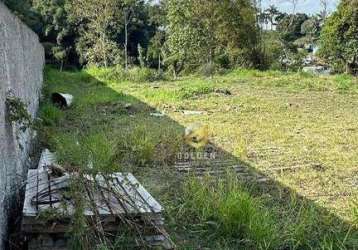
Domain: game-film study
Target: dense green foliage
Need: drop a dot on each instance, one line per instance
(22, 8)
(290, 26)
(294, 38)
(339, 40)
(186, 36)
(58, 34)
(204, 33)
(103, 33)
(173, 34)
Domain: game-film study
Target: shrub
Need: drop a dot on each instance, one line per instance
(344, 81)
(137, 74)
(135, 148)
(94, 152)
(339, 41)
(170, 144)
(195, 91)
(50, 115)
(225, 209)
(16, 111)
(134, 74)
(207, 69)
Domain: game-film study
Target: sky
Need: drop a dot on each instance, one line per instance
(303, 6)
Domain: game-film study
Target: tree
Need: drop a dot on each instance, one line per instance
(272, 13)
(339, 37)
(201, 31)
(96, 22)
(264, 19)
(324, 11)
(311, 28)
(155, 50)
(57, 32)
(23, 9)
(157, 15)
(183, 39)
(127, 15)
(290, 26)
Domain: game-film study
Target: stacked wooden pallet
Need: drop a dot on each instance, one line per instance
(115, 200)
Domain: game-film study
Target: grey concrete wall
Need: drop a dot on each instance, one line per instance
(21, 72)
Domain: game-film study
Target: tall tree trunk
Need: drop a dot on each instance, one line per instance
(159, 64)
(349, 68)
(126, 39)
(174, 72)
(104, 50)
(211, 67)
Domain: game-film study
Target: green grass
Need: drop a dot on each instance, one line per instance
(299, 130)
(226, 211)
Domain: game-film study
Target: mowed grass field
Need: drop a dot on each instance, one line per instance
(299, 131)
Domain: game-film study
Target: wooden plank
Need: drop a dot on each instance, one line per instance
(138, 205)
(31, 189)
(125, 196)
(132, 200)
(135, 198)
(43, 187)
(47, 159)
(144, 194)
(118, 201)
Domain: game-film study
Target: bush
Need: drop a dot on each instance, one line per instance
(344, 82)
(134, 74)
(195, 91)
(339, 41)
(226, 210)
(274, 50)
(94, 152)
(135, 148)
(208, 69)
(137, 74)
(50, 115)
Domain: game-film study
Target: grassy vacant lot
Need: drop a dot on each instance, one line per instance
(297, 130)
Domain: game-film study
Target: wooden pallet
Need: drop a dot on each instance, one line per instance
(114, 199)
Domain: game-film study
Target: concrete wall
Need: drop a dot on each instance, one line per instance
(21, 71)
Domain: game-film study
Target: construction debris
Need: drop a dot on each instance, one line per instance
(62, 100)
(47, 159)
(128, 106)
(223, 91)
(116, 200)
(193, 112)
(317, 70)
(157, 114)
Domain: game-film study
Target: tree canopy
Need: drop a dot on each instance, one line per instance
(188, 35)
(339, 39)
(202, 32)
